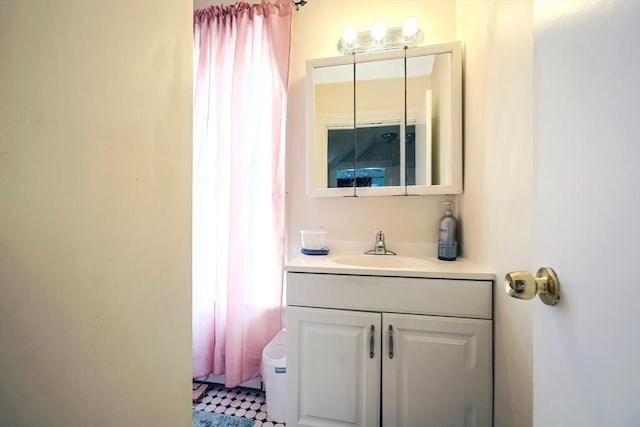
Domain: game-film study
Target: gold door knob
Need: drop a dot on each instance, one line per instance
(522, 285)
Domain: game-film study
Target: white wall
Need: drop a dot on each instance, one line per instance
(201, 4)
(95, 196)
(497, 202)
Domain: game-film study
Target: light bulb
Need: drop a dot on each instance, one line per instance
(349, 34)
(378, 31)
(410, 26)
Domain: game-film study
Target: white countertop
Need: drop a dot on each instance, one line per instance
(434, 268)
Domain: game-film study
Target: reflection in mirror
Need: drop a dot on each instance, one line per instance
(429, 107)
(410, 153)
(380, 122)
(377, 158)
(333, 112)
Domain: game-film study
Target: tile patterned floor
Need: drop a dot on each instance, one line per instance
(238, 402)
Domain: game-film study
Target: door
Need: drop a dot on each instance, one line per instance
(436, 371)
(587, 212)
(333, 365)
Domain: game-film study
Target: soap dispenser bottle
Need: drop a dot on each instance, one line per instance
(447, 240)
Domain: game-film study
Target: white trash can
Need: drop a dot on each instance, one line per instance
(274, 375)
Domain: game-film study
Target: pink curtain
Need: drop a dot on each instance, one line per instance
(241, 65)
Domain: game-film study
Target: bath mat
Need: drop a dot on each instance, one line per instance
(209, 419)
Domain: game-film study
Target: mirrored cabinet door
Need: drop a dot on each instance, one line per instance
(331, 126)
(434, 106)
(380, 126)
(418, 164)
(386, 123)
(429, 112)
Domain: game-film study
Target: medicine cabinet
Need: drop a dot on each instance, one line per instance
(385, 123)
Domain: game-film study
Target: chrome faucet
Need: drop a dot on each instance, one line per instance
(380, 247)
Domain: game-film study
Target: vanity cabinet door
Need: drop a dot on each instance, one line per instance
(333, 372)
(436, 371)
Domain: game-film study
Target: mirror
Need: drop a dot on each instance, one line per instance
(387, 123)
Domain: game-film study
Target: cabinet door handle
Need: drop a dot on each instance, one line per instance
(390, 341)
(371, 334)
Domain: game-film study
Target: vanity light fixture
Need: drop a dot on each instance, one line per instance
(378, 31)
(349, 34)
(410, 26)
(380, 37)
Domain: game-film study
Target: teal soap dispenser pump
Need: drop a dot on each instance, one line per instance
(447, 239)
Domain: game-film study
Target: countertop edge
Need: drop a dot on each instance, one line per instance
(461, 269)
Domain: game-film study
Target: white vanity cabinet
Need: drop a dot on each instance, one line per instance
(440, 373)
(336, 381)
(388, 351)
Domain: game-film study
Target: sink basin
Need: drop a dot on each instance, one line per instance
(380, 261)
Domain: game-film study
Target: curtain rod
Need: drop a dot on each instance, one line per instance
(299, 4)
